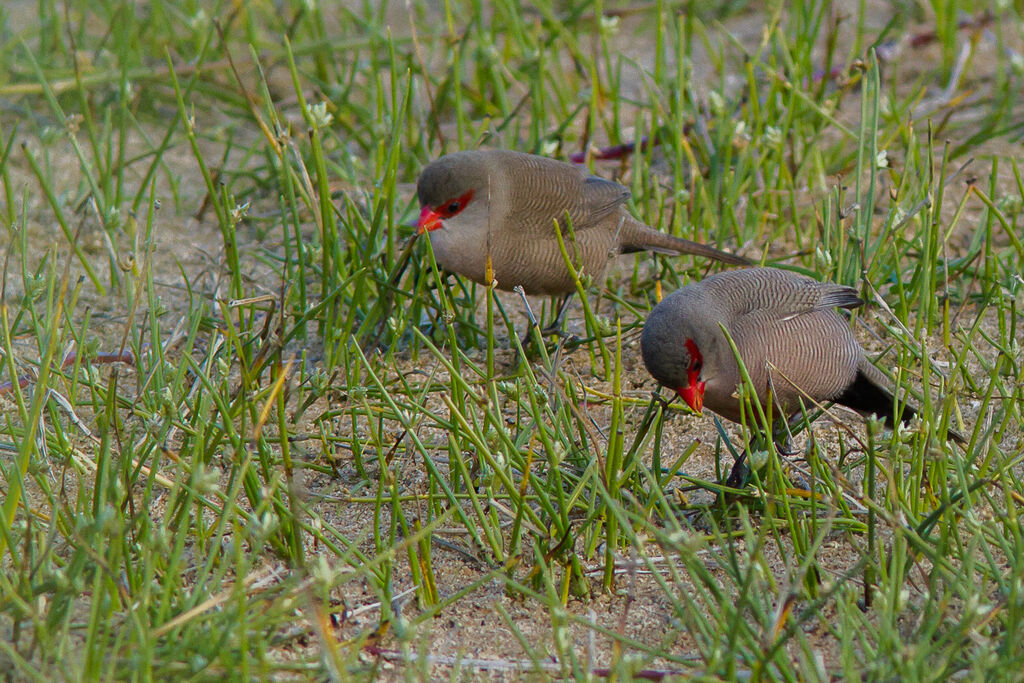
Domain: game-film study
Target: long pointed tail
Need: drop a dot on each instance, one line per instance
(635, 236)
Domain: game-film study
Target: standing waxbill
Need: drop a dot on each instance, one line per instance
(791, 339)
(505, 204)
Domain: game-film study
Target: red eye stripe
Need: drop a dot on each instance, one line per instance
(696, 359)
(693, 391)
(455, 206)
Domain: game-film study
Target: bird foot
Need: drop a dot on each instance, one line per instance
(555, 329)
(786, 448)
(526, 341)
(739, 476)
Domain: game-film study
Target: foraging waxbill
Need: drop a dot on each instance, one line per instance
(788, 334)
(506, 203)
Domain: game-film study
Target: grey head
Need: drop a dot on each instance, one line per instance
(681, 342)
(452, 176)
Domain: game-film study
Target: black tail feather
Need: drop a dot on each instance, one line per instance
(868, 398)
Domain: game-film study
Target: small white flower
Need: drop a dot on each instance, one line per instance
(716, 102)
(204, 481)
(885, 105)
(73, 122)
(557, 453)
(676, 537)
(239, 212)
(1017, 62)
(198, 21)
(609, 25)
(882, 159)
(321, 117)
(605, 327)
(268, 523)
(562, 637)
(323, 572)
(823, 256)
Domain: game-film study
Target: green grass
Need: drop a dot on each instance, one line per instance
(326, 455)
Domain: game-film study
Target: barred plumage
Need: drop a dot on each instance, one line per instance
(787, 332)
(516, 200)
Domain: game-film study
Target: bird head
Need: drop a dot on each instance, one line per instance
(693, 390)
(448, 186)
(431, 216)
(671, 351)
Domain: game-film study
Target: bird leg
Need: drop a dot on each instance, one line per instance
(532, 323)
(782, 435)
(556, 326)
(739, 475)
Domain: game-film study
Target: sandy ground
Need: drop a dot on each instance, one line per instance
(478, 625)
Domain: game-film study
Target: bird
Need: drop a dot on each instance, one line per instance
(504, 204)
(793, 342)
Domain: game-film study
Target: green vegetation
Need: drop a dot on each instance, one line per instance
(313, 420)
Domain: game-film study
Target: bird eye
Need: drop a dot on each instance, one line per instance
(696, 359)
(455, 205)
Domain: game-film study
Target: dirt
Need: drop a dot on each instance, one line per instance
(477, 626)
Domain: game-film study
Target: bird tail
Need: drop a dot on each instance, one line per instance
(867, 397)
(635, 236)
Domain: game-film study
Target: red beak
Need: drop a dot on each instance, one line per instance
(429, 220)
(693, 395)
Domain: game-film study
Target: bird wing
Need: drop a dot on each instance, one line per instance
(540, 190)
(600, 199)
(777, 293)
(788, 320)
(813, 353)
(823, 296)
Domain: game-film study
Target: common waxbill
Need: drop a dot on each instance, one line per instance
(506, 203)
(791, 339)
